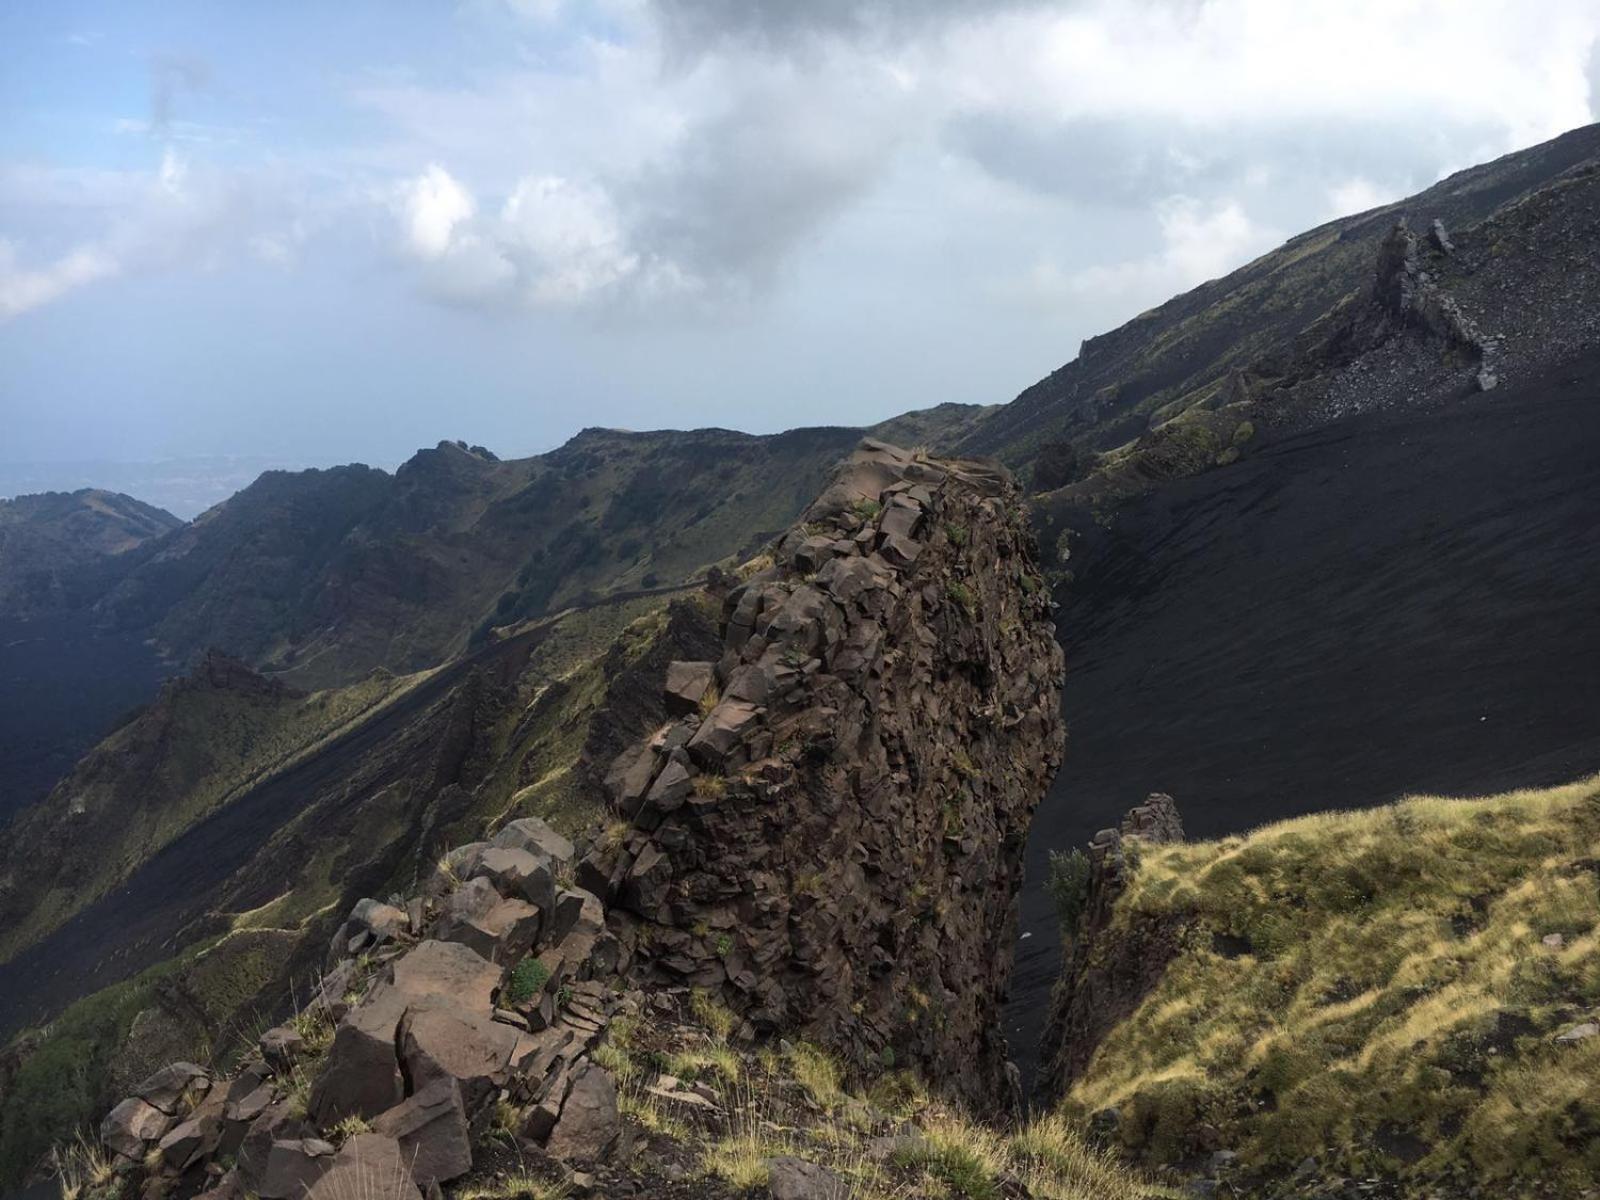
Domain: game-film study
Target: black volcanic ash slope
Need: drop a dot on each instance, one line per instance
(1377, 607)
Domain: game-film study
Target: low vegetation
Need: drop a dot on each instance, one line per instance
(1407, 992)
(729, 1110)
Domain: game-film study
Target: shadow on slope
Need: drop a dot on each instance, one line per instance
(1382, 606)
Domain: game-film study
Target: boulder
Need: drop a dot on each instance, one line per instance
(370, 1166)
(293, 1166)
(687, 683)
(791, 1178)
(431, 1128)
(589, 1126)
(520, 874)
(361, 1077)
(720, 732)
(450, 970)
(629, 777)
(281, 1046)
(503, 934)
(533, 835)
(174, 1088)
(1579, 1033)
(441, 1041)
(131, 1126)
(189, 1141)
(277, 1122)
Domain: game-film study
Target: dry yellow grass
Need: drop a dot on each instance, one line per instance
(1395, 988)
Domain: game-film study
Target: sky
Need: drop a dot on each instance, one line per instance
(311, 232)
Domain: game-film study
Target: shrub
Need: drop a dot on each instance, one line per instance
(1068, 884)
(527, 980)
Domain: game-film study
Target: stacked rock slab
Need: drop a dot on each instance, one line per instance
(1106, 975)
(829, 836)
(431, 1029)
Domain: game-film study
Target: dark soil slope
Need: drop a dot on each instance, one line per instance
(1378, 606)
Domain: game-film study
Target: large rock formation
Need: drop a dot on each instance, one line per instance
(831, 836)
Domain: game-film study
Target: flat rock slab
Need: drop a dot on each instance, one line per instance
(448, 970)
(370, 1166)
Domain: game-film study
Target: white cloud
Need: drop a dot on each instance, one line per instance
(433, 205)
(22, 289)
(1356, 195)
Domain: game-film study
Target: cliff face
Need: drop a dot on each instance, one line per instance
(1107, 972)
(830, 836)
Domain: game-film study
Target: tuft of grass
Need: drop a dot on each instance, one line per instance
(81, 1165)
(343, 1130)
(710, 787)
(818, 1073)
(709, 699)
(715, 1016)
(962, 595)
(520, 1185)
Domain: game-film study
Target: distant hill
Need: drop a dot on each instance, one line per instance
(53, 545)
(318, 577)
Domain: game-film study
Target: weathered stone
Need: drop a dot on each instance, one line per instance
(361, 1077)
(174, 1087)
(131, 1126)
(671, 788)
(441, 1041)
(720, 732)
(189, 1141)
(687, 682)
(791, 1178)
(431, 1128)
(370, 1166)
(449, 970)
(589, 1125)
(533, 835)
(278, 1121)
(1579, 1033)
(503, 934)
(293, 1166)
(644, 891)
(281, 1046)
(520, 874)
(630, 776)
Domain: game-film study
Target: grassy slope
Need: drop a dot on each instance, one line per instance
(211, 998)
(163, 772)
(1374, 989)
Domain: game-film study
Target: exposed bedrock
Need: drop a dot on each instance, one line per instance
(830, 835)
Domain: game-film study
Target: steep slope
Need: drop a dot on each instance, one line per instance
(1180, 355)
(207, 738)
(1408, 995)
(225, 922)
(1364, 574)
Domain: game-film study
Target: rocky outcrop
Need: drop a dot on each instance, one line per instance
(827, 837)
(1107, 972)
(830, 838)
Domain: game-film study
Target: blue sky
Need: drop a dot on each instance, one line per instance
(331, 232)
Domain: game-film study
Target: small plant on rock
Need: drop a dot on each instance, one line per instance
(527, 980)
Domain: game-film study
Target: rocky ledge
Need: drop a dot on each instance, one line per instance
(826, 841)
